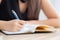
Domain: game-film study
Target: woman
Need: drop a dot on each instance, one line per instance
(28, 12)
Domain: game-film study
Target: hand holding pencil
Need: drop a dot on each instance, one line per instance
(13, 25)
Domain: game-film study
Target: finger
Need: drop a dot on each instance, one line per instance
(19, 26)
(16, 29)
(21, 22)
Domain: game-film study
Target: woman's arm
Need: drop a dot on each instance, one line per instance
(50, 22)
(51, 13)
(49, 9)
(13, 25)
(0, 1)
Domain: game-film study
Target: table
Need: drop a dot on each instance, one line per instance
(37, 36)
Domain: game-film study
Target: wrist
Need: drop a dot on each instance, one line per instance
(1, 24)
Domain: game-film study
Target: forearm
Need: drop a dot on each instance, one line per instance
(1, 24)
(51, 22)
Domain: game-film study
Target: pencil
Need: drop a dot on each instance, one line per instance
(15, 14)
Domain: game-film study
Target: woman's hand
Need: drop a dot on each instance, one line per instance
(13, 25)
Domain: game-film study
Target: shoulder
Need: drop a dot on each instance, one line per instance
(0, 1)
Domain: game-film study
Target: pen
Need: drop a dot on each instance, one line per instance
(15, 14)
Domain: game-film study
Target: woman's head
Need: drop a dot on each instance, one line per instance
(33, 9)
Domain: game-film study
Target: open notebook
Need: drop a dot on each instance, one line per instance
(33, 28)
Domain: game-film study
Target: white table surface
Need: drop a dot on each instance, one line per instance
(38, 36)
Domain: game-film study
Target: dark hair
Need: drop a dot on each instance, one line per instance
(34, 7)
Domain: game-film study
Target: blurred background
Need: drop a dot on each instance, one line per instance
(56, 4)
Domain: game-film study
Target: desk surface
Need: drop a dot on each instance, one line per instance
(38, 36)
